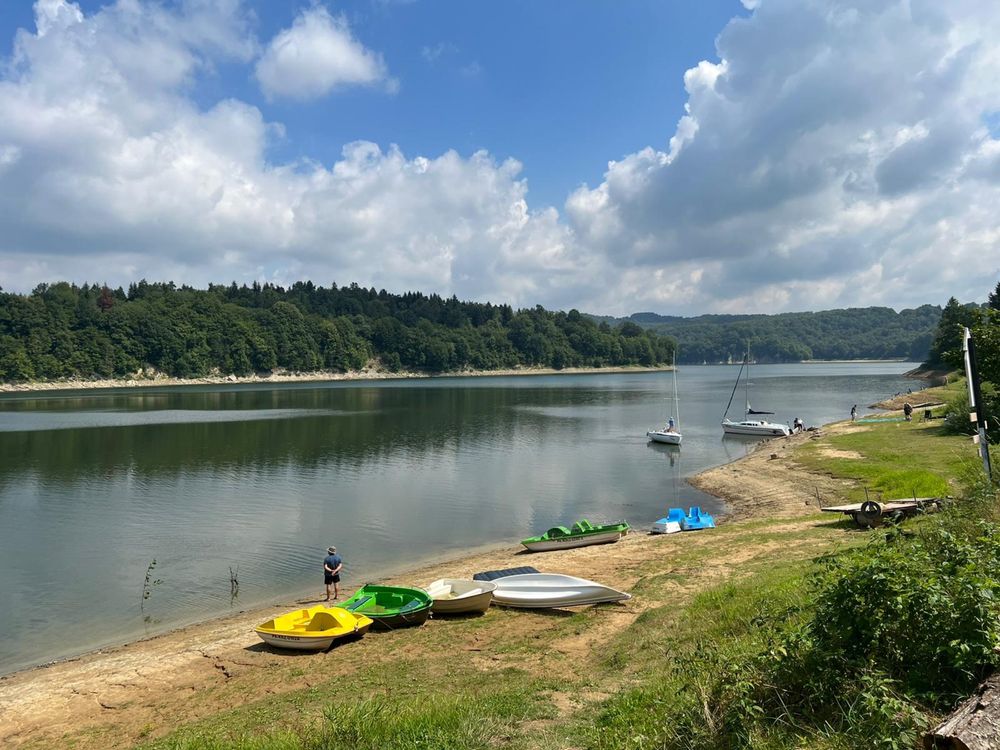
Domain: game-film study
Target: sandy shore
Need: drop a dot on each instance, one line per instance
(160, 381)
(116, 696)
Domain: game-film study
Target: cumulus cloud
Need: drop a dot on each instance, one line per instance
(835, 153)
(109, 171)
(316, 55)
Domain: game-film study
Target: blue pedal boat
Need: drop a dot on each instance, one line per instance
(696, 520)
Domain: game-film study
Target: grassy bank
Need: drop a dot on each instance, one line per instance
(794, 629)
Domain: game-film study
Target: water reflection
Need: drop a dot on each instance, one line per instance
(261, 480)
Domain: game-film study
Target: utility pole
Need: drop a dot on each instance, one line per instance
(976, 413)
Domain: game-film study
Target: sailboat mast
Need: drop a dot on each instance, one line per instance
(677, 404)
(746, 410)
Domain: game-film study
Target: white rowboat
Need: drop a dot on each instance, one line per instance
(454, 596)
(544, 590)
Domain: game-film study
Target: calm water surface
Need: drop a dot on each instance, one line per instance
(94, 486)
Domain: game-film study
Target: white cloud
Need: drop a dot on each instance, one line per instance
(834, 155)
(318, 54)
(847, 163)
(110, 172)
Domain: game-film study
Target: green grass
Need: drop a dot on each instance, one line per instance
(684, 653)
(420, 712)
(900, 459)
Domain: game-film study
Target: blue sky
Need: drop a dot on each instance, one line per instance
(681, 157)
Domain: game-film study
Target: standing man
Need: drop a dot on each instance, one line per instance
(331, 572)
(854, 412)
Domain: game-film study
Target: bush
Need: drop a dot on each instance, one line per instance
(907, 624)
(956, 419)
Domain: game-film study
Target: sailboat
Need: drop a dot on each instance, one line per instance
(669, 434)
(749, 426)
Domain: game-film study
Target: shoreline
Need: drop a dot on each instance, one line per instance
(165, 381)
(368, 373)
(115, 696)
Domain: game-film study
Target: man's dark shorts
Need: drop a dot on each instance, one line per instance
(329, 578)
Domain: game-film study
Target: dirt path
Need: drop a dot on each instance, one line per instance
(118, 696)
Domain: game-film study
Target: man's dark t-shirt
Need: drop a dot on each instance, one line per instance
(332, 561)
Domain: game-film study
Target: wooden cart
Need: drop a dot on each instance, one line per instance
(871, 513)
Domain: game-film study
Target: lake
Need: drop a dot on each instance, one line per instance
(259, 480)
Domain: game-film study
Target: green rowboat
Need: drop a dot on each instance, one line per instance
(580, 534)
(391, 607)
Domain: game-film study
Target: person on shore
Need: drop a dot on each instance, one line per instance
(907, 411)
(854, 413)
(331, 572)
(797, 425)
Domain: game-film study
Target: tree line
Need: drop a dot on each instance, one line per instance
(855, 333)
(946, 352)
(62, 330)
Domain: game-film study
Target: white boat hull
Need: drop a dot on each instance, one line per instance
(546, 590)
(662, 436)
(758, 428)
(570, 542)
(454, 596)
(298, 642)
(663, 526)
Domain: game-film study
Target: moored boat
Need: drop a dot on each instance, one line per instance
(545, 590)
(748, 425)
(391, 607)
(669, 435)
(580, 534)
(454, 596)
(313, 629)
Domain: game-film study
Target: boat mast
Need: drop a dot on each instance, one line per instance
(677, 404)
(746, 411)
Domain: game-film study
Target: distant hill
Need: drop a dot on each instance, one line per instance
(66, 331)
(854, 333)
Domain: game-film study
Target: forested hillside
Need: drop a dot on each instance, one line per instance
(62, 330)
(856, 333)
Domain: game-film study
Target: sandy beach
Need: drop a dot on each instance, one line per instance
(159, 380)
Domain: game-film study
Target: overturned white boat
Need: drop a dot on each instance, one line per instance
(454, 596)
(542, 590)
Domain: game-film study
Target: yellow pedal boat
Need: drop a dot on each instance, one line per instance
(313, 629)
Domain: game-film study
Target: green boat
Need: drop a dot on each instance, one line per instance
(580, 534)
(391, 607)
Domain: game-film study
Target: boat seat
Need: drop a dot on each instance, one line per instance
(675, 514)
(695, 512)
(557, 531)
(360, 603)
(321, 621)
(583, 525)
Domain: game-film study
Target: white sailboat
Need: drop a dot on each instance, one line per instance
(669, 434)
(750, 426)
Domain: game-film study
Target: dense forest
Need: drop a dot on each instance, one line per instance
(66, 331)
(856, 333)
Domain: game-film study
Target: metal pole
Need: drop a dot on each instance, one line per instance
(976, 413)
